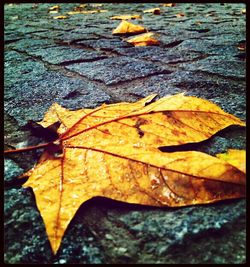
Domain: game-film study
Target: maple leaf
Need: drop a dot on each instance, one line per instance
(235, 157)
(112, 151)
(155, 11)
(126, 17)
(198, 22)
(126, 27)
(54, 9)
(242, 46)
(145, 39)
(169, 4)
(86, 12)
(94, 11)
(74, 12)
(80, 7)
(180, 15)
(96, 5)
(60, 17)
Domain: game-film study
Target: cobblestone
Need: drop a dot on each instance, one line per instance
(116, 69)
(62, 55)
(219, 65)
(172, 55)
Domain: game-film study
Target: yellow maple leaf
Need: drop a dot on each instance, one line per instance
(60, 17)
(235, 157)
(155, 11)
(126, 17)
(54, 8)
(145, 39)
(126, 27)
(179, 15)
(86, 12)
(169, 4)
(53, 11)
(96, 5)
(112, 151)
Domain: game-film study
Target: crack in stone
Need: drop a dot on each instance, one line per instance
(172, 44)
(67, 63)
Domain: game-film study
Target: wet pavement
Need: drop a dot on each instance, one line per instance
(77, 62)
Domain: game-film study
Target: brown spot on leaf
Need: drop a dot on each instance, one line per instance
(138, 123)
(175, 132)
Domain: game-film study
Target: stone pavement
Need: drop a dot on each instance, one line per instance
(78, 63)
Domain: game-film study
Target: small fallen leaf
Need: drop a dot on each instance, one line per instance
(74, 12)
(126, 27)
(112, 151)
(155, 11)
(235, 157)
(180, 15)
(54, 9)
(80, 7)
(242, 46)
(145, 39)
(211, 14)
(96, 5)
(169, 4)
(126, 17)
(61, 17)
(198, 22)
(86, 12)
(94, 11)
(14, 17)
(35, 6)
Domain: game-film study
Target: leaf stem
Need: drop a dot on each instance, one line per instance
(29, 148)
